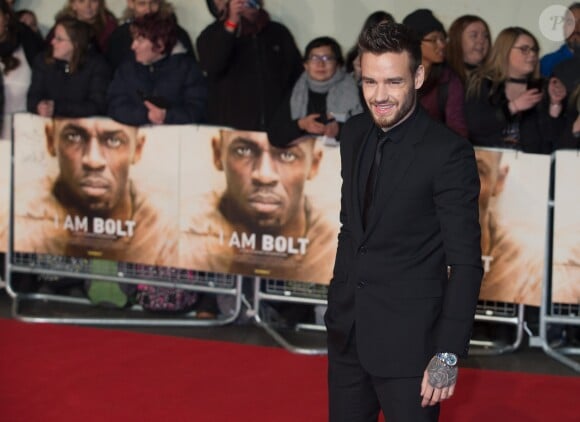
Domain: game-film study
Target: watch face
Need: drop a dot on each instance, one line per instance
(448, 359)
(451, 360)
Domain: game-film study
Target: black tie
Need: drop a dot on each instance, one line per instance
(372, 179)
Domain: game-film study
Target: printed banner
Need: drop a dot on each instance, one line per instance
(196, 197)
(96, 188)
(4, 193)
(250, 208)
(566, 246)
(513, 208)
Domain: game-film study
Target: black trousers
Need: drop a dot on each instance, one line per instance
(357, 396)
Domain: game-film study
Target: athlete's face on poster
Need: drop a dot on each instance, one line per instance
(94, 157)
(492, 177)
(265, 184)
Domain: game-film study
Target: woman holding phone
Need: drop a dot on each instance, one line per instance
(507, 105)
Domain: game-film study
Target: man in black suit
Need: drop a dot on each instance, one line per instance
(408, 266)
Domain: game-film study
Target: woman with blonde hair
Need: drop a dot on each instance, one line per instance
(468, 45)
(507, 105)
(93, 12)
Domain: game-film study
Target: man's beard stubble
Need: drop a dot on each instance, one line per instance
(405, 109)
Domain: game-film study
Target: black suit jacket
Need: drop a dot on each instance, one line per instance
(391, 280)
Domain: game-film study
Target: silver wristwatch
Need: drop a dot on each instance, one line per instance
(449, 359)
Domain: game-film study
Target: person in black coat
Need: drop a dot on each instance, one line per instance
(568, 72)
(119, 48)
(251, 64)
(161, 84)
(71, 80)
(408, 267)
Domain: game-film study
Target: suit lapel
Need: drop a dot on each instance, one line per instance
(393, 171)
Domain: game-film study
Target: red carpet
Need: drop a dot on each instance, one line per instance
(63, 373)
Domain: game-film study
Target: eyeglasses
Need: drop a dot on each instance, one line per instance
(321, 59)
(60, 39)
(526, 49)
(435, 40)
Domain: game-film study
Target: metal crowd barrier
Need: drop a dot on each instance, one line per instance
(270, 290)
(558, 316)
(52, 266)
(498, 314)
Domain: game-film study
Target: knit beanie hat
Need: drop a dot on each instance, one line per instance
(423, 22)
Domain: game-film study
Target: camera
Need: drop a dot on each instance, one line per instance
(255, 4)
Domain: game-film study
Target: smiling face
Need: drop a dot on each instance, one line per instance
(523, 57)
(94, 157)
(264, 184)
(389, 87)
(475, 43)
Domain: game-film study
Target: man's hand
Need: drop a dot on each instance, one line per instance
(156, 115)
(438, 382)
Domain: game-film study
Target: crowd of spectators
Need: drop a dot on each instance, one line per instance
(143, 69)
(246, 72)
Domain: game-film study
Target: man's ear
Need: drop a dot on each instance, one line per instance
(139, 143)
(50, 141)
(216, 147)
(500, 183)
(317, 154)
(419, 77)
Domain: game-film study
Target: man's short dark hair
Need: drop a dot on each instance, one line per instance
(391, 37)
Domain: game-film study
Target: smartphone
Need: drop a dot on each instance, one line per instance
(158, 101)
(255, 4)
(536, 84)
(322, 118)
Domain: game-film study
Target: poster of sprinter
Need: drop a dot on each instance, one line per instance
(254, 209)
(513, 206)
(566, 246)
(92, 187)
